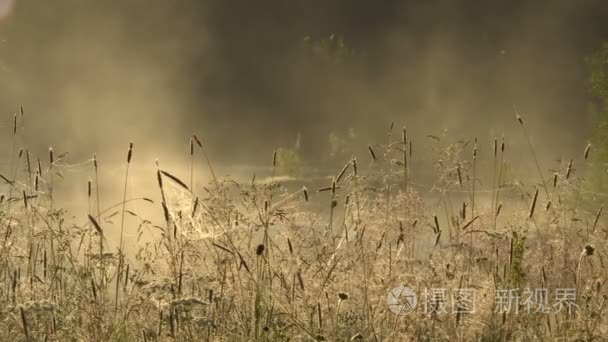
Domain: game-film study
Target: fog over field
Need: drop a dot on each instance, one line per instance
(293, 161)
(239, 73)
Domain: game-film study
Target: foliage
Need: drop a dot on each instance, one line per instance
(288, 161)
(598, 86)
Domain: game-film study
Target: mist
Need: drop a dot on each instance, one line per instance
(93, 76)
(267, 170)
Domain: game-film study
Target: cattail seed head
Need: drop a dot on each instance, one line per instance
(15, 124)
(28, 161)
(355, 166)
(300, 279)
(464, 210)
(159, 179)
(521, 121)
(95, 225)
(196, 207)
(436, 228)
(191, 146)
(290, 246)
(587, 149)
(495, 147)
(569, 170)
(166, 212)
(597, 217)
(371, 152)
(198, 142)
(51, 158)
(24, 323)
(305, 191)
(533, 206)
(554, 180)
(130, 153)
(274, 158)
(343, 171)
(6, 180)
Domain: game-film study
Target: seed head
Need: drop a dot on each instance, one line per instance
(371, 152)
(130, 153)
(589, 250)
(259, 250)
(554, 180)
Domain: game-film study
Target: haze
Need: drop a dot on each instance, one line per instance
(94, 75)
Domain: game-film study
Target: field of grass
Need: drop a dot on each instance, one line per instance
(258, 261)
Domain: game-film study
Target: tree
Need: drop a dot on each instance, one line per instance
(598, 86)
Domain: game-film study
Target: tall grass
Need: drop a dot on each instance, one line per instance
(261, 261)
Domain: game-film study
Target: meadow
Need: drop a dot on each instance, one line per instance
(262, 261)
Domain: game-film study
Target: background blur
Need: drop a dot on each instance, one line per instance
(249, 76)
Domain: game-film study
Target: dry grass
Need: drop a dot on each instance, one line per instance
(256, 262)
